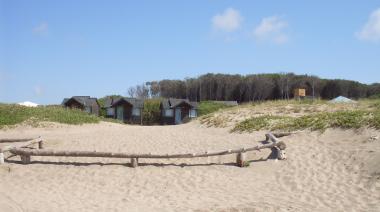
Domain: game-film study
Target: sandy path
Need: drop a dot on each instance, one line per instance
(315, 177)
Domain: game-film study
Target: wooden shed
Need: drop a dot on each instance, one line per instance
(85, 103)
(177, 111)
(128, 110)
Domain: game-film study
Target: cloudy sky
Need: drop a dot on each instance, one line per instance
(53, 49)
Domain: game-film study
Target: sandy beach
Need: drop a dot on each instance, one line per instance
(337, 170)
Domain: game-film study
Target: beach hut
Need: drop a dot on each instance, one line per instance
(177, 111)
(85, 103)
(128, 110)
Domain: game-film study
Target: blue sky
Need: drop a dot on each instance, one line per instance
(53, 49)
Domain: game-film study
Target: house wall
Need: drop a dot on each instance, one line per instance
(127, 114)
(95, 109)
(110, 112)
(74, 105)
(171, 120)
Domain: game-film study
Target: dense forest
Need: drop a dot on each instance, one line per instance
(255, 87)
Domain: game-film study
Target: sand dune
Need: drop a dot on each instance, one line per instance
(338, 170)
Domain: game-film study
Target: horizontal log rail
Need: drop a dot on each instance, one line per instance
(275, 145)
(20, 145)
(13, 140)
(28, 143)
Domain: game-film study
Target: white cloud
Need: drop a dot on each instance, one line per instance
(371, 30)
(38, 90)
(272, 29)
(229, 21)
(41, 29)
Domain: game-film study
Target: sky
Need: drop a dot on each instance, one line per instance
(55, 49)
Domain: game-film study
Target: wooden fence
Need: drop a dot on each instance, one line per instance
(277, 147)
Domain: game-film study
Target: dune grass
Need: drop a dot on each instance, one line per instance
(320, 121)
(207, 107)
(15, 114)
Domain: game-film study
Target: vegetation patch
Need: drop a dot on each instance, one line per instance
(207, 107)
(15, 114)
(151, 112)
(318, 121)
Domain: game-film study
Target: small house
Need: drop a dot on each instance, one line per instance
(177, 111)
(85, 103)
(128, 110)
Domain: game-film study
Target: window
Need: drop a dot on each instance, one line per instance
(136, 112)
(168, 113)
(192, 113)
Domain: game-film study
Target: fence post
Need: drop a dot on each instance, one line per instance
(134, 162)
(40, 144)
(1, 158)
(25, 159)
(240, 159)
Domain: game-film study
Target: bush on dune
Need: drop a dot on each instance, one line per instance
(15, 114)
(207, 107)
(319, 121)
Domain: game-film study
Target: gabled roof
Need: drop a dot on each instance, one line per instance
(137, 103)
(172, 103)
(83, 100)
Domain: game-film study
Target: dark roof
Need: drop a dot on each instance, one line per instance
(83, 100)
(65, 100)
(172, 103)
(137, 103)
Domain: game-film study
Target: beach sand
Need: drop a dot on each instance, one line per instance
(338, 170)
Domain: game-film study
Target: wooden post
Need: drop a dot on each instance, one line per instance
(40, 144)
(134, 162)
(278, 153)
(25, 159)
(240, 159)
(281, 154)
(1, 158)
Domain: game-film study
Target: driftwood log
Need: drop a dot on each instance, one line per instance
(13, 140)
(275, 145)
(279, 149)
(28, 142)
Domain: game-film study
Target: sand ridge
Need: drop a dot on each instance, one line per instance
(337, 170)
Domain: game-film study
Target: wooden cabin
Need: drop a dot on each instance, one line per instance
(177, 111)
(85, 103)
(128, 110)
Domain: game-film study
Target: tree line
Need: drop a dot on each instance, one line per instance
(253, 87)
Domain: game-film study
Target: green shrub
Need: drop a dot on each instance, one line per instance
(319, 121)
(151, 112)
(207, 107)
(15, 114)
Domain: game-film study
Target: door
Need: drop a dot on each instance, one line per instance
(120, 113)
(178, 119)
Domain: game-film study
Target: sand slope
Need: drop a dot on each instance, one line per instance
(334, 171)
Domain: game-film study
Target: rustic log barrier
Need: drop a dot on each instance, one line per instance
(275, 145)
(27, 142)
